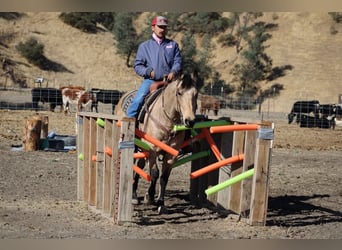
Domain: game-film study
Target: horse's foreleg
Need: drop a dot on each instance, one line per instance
(154, 172)
(164, 178)
(135, 200)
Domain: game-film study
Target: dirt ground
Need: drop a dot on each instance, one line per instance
(38, 191)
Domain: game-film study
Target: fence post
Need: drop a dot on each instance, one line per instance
(260, 188)
(126, 146)
(80, 158)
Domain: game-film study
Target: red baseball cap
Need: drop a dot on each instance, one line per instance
(159, 20)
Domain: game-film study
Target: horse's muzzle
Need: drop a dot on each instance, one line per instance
(189, 123)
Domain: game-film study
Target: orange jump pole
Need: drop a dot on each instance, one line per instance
(108, 151)
(141, 172)
(231, 128)
(160, 144)
(212, 144)
(192, 140)
(216, 165)
(139, 155)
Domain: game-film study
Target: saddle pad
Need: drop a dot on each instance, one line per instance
(127, 101)
(148, 101)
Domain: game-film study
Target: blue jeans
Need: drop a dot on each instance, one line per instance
(138, 100)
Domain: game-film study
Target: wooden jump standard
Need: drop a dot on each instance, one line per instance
(236, 150)
(106, 184)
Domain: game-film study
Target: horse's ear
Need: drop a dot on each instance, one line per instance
(195, 76)
(187, 81)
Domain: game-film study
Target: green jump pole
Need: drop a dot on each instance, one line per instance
(204, 124)
(141, 144)
(230, 182)
(191, 158)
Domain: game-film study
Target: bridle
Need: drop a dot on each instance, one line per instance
(168, 116)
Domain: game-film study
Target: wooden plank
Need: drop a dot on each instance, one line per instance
(195, 165)
(115, 172)
(248, 163)
(99, 166)
(225, 171)
(107, 182)
(125, 207)
(80, 162)
(92, 165)
(260, 187)
(236, 169)
(100, 115)
(213, 176)
(87, 158)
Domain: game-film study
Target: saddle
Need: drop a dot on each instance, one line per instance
(155, 90)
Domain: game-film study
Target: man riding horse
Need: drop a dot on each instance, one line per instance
(157, 58)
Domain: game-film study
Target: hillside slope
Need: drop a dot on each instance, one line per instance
(91, 58)
(303, 40)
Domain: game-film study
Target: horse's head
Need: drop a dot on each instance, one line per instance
(186, 95)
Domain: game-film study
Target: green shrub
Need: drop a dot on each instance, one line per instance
(83, 21)
(32, 50)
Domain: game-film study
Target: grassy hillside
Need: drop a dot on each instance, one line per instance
(303, 40)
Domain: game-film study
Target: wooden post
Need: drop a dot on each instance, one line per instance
(259, 199)
(32, 132)
(126, 146)
(80, 158)
(86, 160)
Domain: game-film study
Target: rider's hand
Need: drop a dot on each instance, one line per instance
(170, 77)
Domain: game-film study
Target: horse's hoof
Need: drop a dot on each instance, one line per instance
(135, 201)
(162, 210)
(160, 203)
(148, 200)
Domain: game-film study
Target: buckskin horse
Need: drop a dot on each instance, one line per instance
(175, 104)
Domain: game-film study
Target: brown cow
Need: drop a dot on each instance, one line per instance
(76, 95)
(209, 103)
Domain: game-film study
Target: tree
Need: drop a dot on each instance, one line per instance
(336, 16)
(85, 21)
(126, 36)
(189, 53)
(256, 65)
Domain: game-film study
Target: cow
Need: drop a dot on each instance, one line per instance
(324, 116)
(105, 96)
(46, 95)
(301, 108)
(330, 112)
(209, 103)
(76, 95)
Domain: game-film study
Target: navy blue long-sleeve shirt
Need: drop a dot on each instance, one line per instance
(162, 59)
